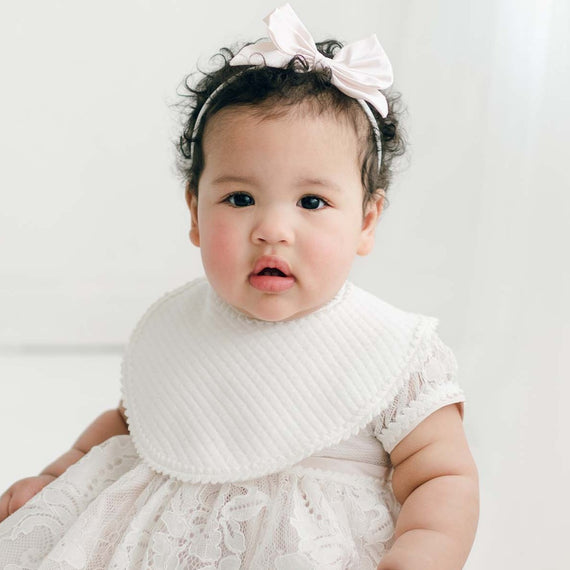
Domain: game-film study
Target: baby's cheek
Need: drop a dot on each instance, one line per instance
(333, 256)
(220, 248)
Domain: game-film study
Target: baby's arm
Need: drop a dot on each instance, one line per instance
(109, 423)
(436, 481)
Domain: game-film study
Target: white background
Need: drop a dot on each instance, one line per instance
(93, 223)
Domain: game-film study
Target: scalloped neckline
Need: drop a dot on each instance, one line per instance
(229, 310)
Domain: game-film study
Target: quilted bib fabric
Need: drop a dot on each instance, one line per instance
(213, 396)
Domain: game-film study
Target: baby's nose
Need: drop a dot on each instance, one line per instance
(273, 226)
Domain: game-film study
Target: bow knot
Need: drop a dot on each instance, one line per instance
(320, 60)
(360, 69)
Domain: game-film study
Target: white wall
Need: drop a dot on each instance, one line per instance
(93, 224)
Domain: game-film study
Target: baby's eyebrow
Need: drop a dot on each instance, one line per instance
(324, 182)
(232, 178)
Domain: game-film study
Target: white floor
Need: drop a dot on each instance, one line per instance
(48, 399)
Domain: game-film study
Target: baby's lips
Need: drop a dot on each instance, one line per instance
(273, 262)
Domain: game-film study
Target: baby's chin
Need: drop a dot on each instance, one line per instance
(267, 307)
(293, 303)
(271, 310)
(279, 308)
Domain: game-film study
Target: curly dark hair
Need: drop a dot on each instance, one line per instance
(269, 91)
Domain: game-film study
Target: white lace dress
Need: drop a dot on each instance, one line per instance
(334, 509)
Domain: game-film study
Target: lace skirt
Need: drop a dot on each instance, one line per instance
(110, 510)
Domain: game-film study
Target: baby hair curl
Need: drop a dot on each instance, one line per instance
(268, 92)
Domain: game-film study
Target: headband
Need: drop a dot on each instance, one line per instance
(360, 69)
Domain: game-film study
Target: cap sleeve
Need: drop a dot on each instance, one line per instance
(423, 392)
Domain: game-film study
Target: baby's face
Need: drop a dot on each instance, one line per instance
(279, 215)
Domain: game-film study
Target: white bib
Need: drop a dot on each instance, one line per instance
(213, 396)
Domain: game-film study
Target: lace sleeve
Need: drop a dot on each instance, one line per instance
(422, 393)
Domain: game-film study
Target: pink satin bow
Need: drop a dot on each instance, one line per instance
(360, 69)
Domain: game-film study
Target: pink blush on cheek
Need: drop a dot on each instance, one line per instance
(221, 252)
(327, 252)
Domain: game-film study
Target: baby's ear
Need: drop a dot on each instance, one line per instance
(192, 201)
(371, 215)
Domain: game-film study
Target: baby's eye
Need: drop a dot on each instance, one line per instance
(240, 199)
(312, 203)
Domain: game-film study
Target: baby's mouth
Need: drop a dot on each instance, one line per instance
(272, 271)
(271, 280)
